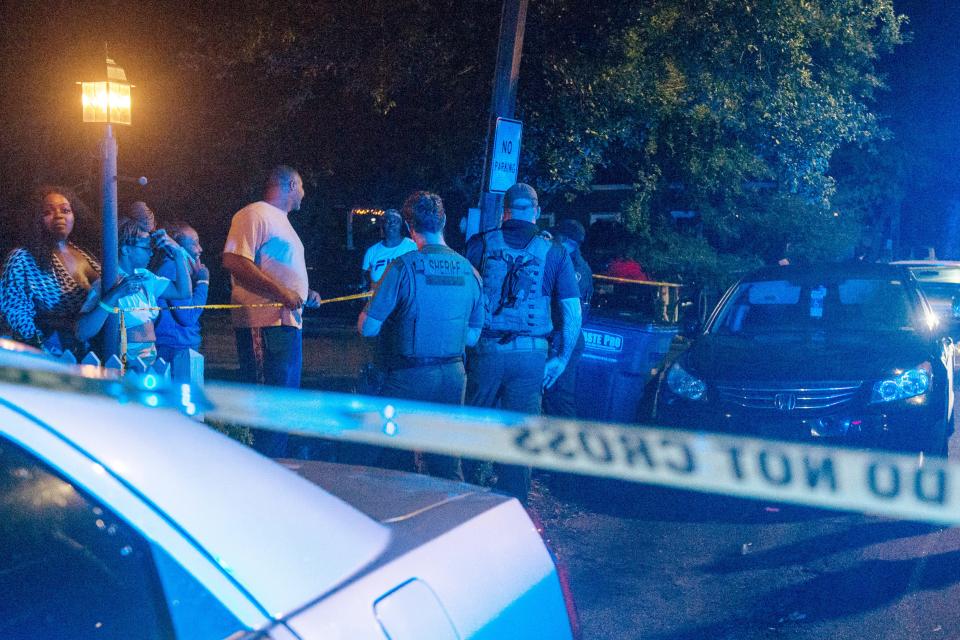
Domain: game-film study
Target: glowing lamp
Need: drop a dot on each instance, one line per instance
(367, 212)
(107, 100)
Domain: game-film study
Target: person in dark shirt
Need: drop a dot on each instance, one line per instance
(560, 399)
(524, 273)
(179, 329)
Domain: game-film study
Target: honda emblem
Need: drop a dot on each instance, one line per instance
(785, 401)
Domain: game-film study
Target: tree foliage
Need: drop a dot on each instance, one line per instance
(372, 99)
(730, 108)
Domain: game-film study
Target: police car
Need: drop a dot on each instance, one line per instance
(124, 521)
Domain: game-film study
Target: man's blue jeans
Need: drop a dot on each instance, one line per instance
(271, 356)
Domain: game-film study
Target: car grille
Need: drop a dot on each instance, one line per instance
(800, 396)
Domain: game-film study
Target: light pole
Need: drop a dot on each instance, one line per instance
(108, 101)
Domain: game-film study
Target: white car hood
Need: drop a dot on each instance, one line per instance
(284, 539)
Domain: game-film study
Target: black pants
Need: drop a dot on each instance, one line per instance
(441, 383)
(509, 376)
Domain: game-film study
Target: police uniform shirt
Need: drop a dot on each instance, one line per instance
(559, 276)
(391, 298)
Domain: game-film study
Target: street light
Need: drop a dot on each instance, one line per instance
(107, 100)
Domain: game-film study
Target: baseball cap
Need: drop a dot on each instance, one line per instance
(570, 228)
(518, 191)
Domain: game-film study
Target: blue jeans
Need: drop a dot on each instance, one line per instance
(271, 356)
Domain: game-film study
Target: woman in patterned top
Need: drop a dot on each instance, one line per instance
(43, 284)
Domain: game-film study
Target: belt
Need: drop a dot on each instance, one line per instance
(403, 362)
(517, 343)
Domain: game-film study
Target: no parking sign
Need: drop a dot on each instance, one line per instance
(506, 154)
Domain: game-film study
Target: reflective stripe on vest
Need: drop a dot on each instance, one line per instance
(514, 301)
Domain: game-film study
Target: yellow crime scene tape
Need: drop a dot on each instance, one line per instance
(654, 283)
(123, 321)
(354, 296)
(895, 485)
(900, 486)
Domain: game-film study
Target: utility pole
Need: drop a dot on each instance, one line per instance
(503, 103)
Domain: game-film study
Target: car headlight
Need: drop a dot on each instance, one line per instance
(910, 383)
(685, 385)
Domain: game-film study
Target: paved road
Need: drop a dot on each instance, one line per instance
(657, 564)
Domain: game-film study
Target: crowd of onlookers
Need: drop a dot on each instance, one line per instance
(50, 286)
(495, 326)
(51, 296)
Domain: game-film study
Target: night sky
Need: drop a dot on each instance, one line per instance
(923, 105)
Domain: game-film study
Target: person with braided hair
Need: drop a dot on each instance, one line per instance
(137, 289)
(44, 283)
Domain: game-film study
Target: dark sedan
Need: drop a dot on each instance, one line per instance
(850, 354)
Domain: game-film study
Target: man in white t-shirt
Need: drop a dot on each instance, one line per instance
(264, 256)
(393, 245)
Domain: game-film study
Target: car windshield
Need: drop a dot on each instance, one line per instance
(936, 291)
(938, 283)
(815, 305)
(946, 275)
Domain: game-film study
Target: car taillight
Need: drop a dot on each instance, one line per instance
(564, 577)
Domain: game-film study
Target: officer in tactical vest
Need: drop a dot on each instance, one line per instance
(524, 272)
(427, 308)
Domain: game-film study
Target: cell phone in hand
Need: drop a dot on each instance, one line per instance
(166, 248)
